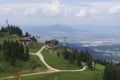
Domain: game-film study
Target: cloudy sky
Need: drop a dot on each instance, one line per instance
(68, 12)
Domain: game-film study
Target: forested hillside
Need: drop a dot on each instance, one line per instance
(15, 56)
(11, 29)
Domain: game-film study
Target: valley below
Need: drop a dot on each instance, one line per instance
(102, 41)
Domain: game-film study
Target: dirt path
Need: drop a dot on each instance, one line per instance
(50, 69)
(42, 59)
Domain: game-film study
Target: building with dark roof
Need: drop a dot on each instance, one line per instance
(51, 44)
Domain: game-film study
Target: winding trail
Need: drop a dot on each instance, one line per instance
(42, 59)
(50, 69)
(54, 69)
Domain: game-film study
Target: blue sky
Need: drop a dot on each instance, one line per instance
(68, 12)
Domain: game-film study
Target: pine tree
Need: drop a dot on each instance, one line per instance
(74, 53)
(89, 64)
(11, 29)
(78, 59)
(26, 34)
(0, 47)
(66, 54)
(112, 72)
(13, 58)
(58, 54)
(27, 53)
(34, 39)
(70, 58)
(22, 56)
(13, 50)
(6, 49)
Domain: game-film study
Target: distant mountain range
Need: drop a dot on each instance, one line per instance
(56, 31)
(86, 35)
(48, 29)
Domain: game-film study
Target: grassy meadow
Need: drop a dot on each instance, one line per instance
(32, 65)
(58, 62)
(96, 74)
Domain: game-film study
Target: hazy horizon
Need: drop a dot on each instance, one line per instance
(85, 35)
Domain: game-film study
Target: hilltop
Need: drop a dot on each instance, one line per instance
(63, 59)
(15, 65)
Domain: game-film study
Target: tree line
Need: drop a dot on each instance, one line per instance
(103, 62)
(11, 29)
(32, 37)
(112, 72)
(13, 50)
(75, 56)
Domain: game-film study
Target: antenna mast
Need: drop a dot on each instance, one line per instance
(64, 38)
(7, 23)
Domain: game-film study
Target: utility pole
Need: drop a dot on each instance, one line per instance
(7, 22)
(64, 39)
(38, 38)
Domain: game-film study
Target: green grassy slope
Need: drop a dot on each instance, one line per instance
(32, 65)
(21, 66)
(96, 74)
(34, 46)
(52, 59)
(13, 37)
(58, 62)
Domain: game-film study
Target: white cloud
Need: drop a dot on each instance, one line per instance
(82, 13)
(88, 12)
(51, 9)
(45, 9)
(94, 12)
(60, 12)
(7, 11)
(114, 10)
(55, 8)
(29, 11)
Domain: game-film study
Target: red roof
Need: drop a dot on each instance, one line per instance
(24, 39)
